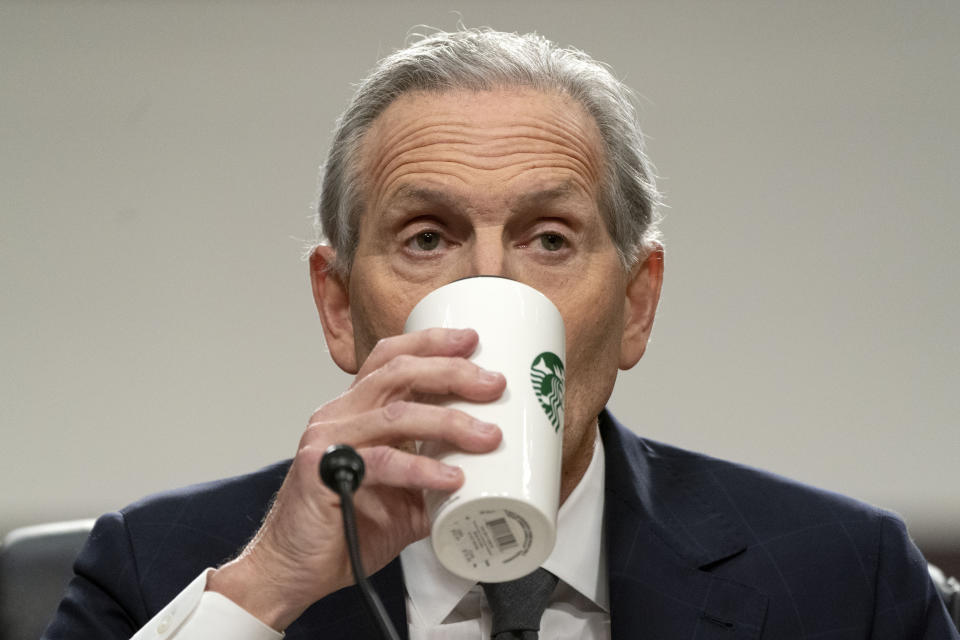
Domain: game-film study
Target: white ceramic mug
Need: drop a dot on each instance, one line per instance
(501, 524)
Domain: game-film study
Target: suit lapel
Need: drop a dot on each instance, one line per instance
(663, 537)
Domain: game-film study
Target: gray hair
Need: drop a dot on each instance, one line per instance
(483, 60)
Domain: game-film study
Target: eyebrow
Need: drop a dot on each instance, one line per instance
(422, 195)
(545, 196)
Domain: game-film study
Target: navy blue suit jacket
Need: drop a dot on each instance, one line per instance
(697, 548)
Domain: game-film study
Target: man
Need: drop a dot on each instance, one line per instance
(472, 153)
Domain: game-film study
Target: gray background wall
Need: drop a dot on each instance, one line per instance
(158, 162)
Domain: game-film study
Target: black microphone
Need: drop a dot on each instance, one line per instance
(341, 463)
(341, 469)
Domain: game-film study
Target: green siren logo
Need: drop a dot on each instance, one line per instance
(546, 373)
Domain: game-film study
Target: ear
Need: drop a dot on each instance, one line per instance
(332, 297)
(643, 294)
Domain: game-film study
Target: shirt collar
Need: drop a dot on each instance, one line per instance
(579, 556)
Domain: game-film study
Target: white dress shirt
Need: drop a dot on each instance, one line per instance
(440, 605)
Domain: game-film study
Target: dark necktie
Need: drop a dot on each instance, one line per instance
(518, 605)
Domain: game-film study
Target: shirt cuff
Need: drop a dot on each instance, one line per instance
(196, 614)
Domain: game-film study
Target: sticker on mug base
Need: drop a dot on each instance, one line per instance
(491, 537)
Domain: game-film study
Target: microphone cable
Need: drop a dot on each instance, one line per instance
(341, 469)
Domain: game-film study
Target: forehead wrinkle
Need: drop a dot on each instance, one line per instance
(388, 192)
(411, 143)
(406, 133)
(448, 129)
(440, 154)
(419, 134)
(446, 141)
(562, 108)
(500, 156)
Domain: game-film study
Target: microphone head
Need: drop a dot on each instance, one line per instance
(341, 462)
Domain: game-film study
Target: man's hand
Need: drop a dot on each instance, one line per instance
(299, 555)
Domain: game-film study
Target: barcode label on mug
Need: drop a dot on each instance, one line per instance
(502, 534)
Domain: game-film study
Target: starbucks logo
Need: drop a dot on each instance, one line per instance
(546, 374)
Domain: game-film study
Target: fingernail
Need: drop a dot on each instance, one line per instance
(489, 376)
(452, 473)
(486, 428)
(459, 336)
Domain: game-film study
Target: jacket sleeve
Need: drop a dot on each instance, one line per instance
(906, 603)
(103, 600)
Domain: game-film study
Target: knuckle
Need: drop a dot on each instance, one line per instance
(404, 360)
(436, 335)
(399, 363)
(381, 345)
(317, 415)
(446, 366)
(309, 435)
(308, 457)
(311, 438)
(413, 471)
(378, 457)
(321, 431)
(328, 411)
(465, 421)
(464, 372)
(396, 466)
(409, 468)
(394, 410)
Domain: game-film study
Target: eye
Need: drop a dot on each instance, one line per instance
(552, 241)
(427, 240)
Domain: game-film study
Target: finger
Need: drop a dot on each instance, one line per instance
(402, 421)
(394, 468)
(429, 342)
(407, 377)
